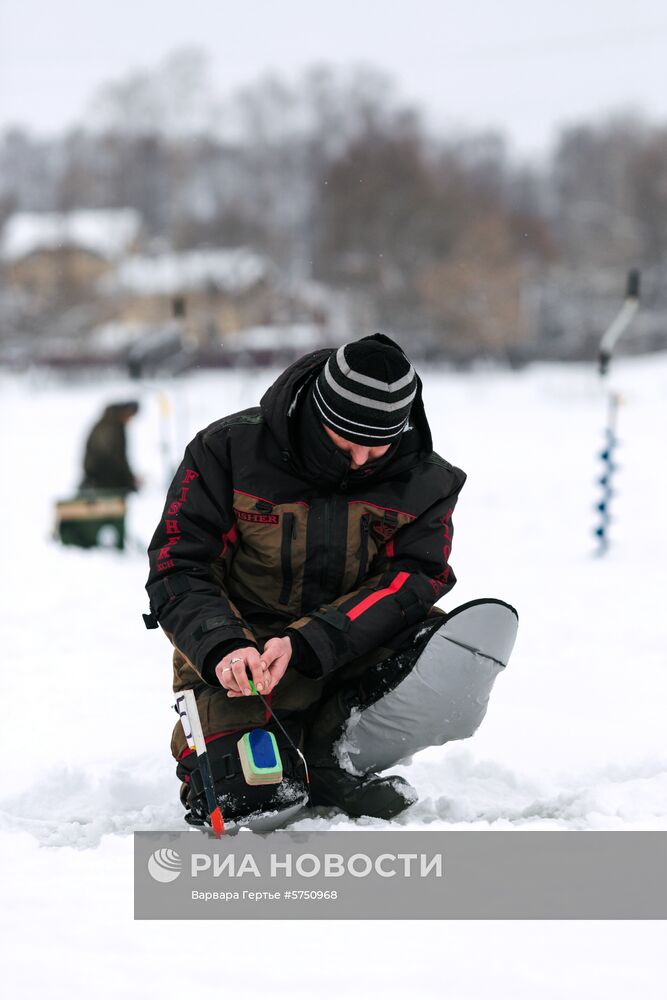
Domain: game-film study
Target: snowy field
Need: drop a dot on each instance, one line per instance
(574, 738)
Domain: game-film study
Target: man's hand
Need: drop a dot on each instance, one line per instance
(277, 654)
(233, 675)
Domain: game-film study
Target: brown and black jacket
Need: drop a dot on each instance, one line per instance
(266, 531)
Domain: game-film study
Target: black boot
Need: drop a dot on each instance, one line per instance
(368, 795)
(362, 795)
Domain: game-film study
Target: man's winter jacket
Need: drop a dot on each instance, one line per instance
(267, 531)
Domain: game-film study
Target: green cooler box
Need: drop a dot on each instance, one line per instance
(92, 520)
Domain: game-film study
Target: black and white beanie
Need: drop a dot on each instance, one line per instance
(365, 391)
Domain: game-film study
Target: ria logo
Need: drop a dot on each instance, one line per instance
(164, 865)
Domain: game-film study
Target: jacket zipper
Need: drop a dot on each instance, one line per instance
(289, 533)
(326, 531)
(363, 549)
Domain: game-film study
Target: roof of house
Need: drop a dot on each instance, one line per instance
(231, 270)
(106, 232)
(298, 336)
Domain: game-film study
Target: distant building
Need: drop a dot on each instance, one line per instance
(56, 257)
(88, 291)
(217, 291)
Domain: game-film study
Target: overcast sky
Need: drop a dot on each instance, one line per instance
(525, 66)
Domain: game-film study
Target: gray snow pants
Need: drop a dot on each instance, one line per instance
(434, 691)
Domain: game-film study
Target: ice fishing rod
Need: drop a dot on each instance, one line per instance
(186, 706)
(611, 337)
(282, 729)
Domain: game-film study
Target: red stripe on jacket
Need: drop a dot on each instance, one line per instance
(372, 599)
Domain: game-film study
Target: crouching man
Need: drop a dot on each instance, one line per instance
(303, 545)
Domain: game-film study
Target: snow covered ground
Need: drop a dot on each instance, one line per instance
(574, 737)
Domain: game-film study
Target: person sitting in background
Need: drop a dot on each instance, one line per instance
(105, 462)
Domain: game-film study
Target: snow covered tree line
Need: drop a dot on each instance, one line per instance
(335, 178)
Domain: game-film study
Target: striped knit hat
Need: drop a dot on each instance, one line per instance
(365, 391)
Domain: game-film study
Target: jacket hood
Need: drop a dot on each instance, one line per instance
(116, 411)
(280, 403)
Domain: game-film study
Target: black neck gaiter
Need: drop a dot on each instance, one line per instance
(322, 460)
